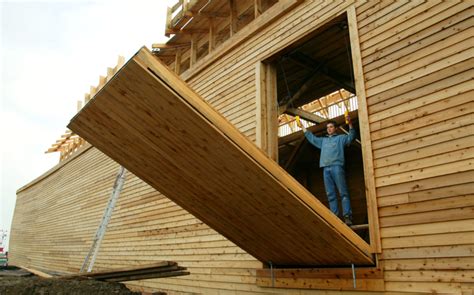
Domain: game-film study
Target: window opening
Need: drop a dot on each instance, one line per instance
(315, 81)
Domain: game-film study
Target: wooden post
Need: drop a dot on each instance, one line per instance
(79, 105)
(194, 45)
(212, 35)
(233, 18)
(267, 113)
(257, 7)
(177, 62)
(372, 209)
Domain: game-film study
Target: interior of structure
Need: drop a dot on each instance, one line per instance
(316, 82)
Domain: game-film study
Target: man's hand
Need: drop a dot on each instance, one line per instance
(299, 124)
(348, 120)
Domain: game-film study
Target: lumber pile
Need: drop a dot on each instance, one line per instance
(157, 270)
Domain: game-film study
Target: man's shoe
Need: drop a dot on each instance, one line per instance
(348, 220)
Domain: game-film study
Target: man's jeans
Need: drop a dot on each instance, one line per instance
(334, 176)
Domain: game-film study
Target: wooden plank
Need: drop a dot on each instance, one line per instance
(427, 130)
(442, 63)
(447, 239)
(428, 217)
(420, 103)
(422, 142)
(431, 228)
(461, 143)
(447, 276)
(452, 251)
(431, 205)
(432, 194)
(452, 263)
(386, 76)
(453, 112)
(36, 272)
(254, 226)
(423, 173)
(424, 33)
(365, 135)
(423, 287)
(447, 44)
(426, 162)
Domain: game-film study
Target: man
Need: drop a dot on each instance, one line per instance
(332, 162)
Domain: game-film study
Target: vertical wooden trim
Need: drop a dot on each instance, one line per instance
(233, 18)
(367, 155)
(257, 7)
(194, 46)
(272, 111)
(79, 105)
(177, 61)
(212, 35)
(261, 109)
(266, 111)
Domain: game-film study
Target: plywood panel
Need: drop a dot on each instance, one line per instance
(207, 167)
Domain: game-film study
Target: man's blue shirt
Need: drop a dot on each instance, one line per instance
(332, 147)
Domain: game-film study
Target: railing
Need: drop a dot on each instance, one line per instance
(176, 14)
(331, 111)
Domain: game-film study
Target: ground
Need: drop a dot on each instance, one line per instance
(18, 282)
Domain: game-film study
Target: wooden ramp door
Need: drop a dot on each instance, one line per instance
(148, 120)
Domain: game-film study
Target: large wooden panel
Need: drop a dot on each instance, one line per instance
(151, 122)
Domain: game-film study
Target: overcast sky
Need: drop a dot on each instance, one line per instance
(51, 53)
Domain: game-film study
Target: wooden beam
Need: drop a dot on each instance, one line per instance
(212, 35)
(168, 20)
(233, 17)
(186, 31)
(36, 272)
(310, 63)
(156, 270)
(191, 13)
(363, 117)
(177, 62)
(367, 278)
(169, 45)
(316, 128)
(194, 49)
(267, 115)
(257, 8)
(305, 115)
(272, 14)
(79, 105)
(306, 85)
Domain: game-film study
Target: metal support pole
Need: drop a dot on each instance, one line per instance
(119, 181)
(272, 275)
(354, 276)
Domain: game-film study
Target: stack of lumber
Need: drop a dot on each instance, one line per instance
(157, 270)
(148, 120)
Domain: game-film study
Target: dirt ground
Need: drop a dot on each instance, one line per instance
(18, 282)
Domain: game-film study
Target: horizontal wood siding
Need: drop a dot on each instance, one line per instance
(56, 219)
(417, 58)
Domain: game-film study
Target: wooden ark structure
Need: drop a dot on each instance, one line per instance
(223, 181)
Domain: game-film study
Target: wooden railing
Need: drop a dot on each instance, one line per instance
(176, 15)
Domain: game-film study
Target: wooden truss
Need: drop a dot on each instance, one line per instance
(69, 142)
(199, 27)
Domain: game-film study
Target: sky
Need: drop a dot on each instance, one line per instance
(51, 53)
